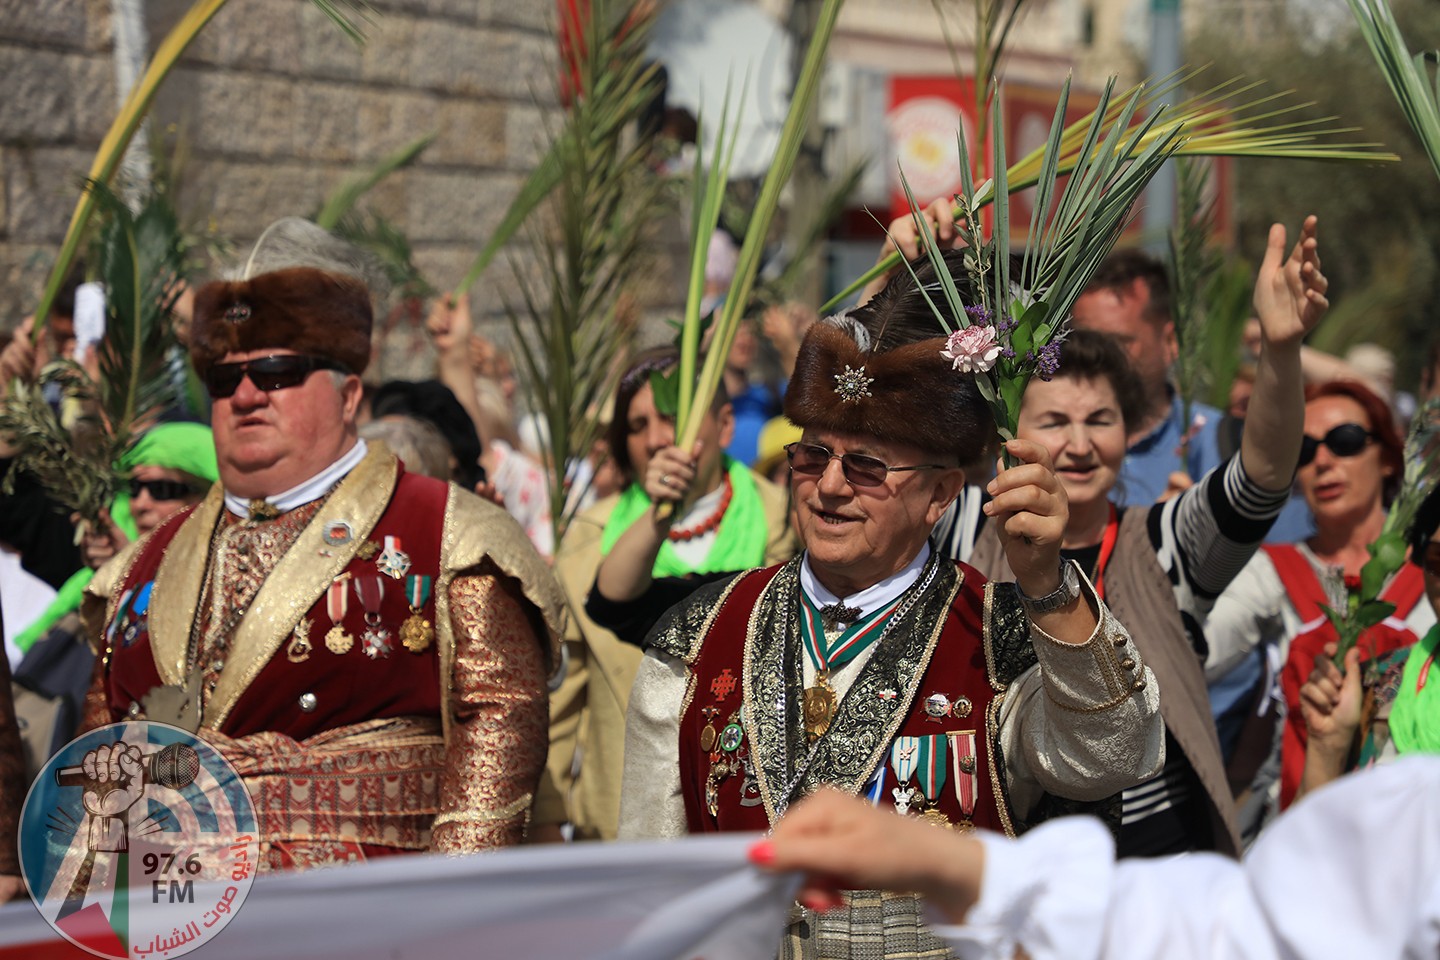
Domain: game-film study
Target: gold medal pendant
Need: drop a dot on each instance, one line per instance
(819, 706)
(299, 649)
(416, 633)
(337, 641)
(934, 817)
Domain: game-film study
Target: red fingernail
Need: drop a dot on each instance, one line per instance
(762, 853)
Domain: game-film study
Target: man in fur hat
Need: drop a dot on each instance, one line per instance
(872, 663)
(324, 613)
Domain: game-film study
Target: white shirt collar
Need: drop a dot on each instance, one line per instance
(312, 489)
(871, 598)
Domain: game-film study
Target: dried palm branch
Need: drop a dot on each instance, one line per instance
(605, 198)
(141, 257)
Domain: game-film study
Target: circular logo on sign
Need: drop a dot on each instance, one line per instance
(138, 840)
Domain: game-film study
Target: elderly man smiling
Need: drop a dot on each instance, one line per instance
(875, 665)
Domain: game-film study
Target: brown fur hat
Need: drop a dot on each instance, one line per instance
(909, 394)
(301, 309)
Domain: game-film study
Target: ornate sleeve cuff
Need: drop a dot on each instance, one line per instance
(498, 705)
(1100, 674)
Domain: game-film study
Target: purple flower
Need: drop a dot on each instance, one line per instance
(1047, 363)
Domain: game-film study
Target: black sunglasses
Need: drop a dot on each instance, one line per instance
(1346, 440)
(267, 373)
(162, 489)
(811, 459)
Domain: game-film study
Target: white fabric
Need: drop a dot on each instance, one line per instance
(312, 489)
(1353, 870)
(872, 598)
(631, 901)
(23, 597)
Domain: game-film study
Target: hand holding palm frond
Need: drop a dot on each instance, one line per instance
(140, 261)
(1016, 329)
(1205, 125)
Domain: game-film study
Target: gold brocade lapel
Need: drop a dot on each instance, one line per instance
(302, 576)
(179, 582)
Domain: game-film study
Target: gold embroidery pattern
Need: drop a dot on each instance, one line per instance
(375, 782)
(243, 554)
(499, 732)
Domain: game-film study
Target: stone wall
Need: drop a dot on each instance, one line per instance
(274, 107)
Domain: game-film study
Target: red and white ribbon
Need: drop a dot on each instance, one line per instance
(962, 747)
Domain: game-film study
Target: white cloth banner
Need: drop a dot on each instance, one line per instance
(690, 899)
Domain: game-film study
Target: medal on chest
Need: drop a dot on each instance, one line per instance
(375, 641)
(393, 562)
(819, 701)
(416, 633)
(337, 604)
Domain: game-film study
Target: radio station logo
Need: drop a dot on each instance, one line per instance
(138, 840)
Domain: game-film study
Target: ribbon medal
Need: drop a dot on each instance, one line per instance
(964, 765)
(904, 755)
(376, 639)
(930, 771)
(337, 602)
(122, 623)
(416, 632)
(393, 561)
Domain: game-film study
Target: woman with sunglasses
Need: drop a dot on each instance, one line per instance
(1159, 568)
(1400, 716)
(1271, 621)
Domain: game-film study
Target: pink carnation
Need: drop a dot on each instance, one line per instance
(972, 350)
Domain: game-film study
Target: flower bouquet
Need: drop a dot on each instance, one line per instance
(1016, 329)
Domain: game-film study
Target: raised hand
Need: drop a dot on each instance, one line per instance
(1290, 291)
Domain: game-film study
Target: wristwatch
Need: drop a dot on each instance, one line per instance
(1062, 595)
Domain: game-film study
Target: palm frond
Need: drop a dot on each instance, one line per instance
(596, 178)
(1026, 318)
(1409, 77)
(1191, 265)
(140, 258)
(1202, 125)
(737, 299)
(132, 114)
(343, 200)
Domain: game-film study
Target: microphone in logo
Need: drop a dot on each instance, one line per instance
(174, 766)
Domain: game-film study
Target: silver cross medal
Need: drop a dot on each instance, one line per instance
(903, 795)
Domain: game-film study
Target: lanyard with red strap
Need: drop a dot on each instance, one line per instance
(1107, 547)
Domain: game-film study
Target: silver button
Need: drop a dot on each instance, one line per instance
(308, 702)
(134, 710)
(218, 666)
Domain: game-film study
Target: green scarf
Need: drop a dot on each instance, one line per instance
(1415, 715)
(175, 446)
(739, 540)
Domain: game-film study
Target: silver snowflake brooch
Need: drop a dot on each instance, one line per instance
(853, 385)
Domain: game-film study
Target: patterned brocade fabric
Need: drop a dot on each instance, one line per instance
(336, 796)
(501, 716)
(243, 553)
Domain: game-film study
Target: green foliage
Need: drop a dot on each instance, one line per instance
(1066, 242)
(1384, 286)
(1364, 609)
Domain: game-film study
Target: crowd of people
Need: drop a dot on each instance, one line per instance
(833, 591)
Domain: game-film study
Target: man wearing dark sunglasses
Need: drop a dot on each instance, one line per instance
(875, 664)
(379, 621)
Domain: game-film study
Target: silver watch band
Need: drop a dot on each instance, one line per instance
(1068, 590)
